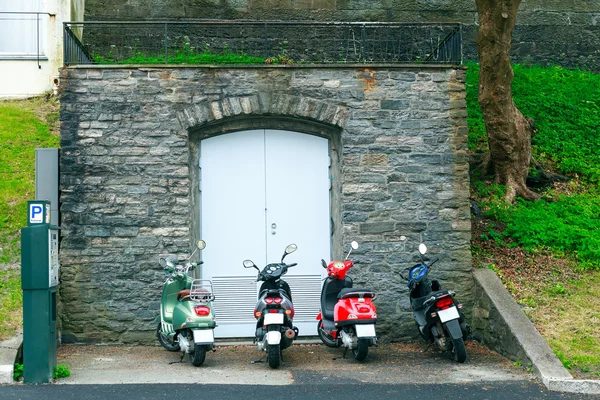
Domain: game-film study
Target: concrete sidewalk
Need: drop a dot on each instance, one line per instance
(303, 363)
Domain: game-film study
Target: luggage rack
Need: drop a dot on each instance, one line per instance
(201, 291)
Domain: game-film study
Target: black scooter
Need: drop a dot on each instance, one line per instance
(274, 310)
(437, 315)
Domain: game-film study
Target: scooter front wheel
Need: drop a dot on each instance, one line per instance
(198, 356)
(164, 342)
(361, 350)
(329, 340)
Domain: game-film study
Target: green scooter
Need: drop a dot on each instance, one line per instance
(187, 318)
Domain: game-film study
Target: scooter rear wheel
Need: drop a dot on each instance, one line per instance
(325, 338)
(164, 342)
(459, 351)
(274, 355)
(361, 350)
(198, 356)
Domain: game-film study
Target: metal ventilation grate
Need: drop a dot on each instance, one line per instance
(235, 298)
(306, 293)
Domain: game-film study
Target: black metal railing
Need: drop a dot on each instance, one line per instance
(237, 42)
(74, 52)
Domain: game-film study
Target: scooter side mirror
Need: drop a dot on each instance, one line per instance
(422, 248)
(323, 263)
(353, 246)
(162, 262)
(289, 250)
(201, 244)
(249, 264)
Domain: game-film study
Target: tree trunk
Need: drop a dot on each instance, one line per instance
(508, 131)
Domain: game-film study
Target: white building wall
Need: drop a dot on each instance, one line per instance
(26, 77)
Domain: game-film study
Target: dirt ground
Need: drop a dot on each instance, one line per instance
(303, 363)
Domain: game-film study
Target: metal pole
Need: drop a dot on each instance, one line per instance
(37, 18)
(65, 43)
(265, 42)
(363, 43)
(166, 48)
(460, 44)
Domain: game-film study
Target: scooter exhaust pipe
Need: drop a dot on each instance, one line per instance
(290, 333)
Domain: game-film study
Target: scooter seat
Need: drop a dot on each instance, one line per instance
(355, 292)
(418, 302)
(274, 292)
(183, 294)
(329, 295)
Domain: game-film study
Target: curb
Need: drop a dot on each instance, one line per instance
(546, 365)
(6, 374)
(8, 354)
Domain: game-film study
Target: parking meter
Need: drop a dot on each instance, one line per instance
(39, 279)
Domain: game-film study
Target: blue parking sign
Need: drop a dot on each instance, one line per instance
(36, 213)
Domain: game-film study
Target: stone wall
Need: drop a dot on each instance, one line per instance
(489, 326)
(128, 139)
(565, 32)
(500, 323)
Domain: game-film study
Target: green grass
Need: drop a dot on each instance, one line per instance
(569, 320)
(569, 224)
(565, 105)
(18, 371)
(11, 302)
(24, 126)
(187, 55)
(61, 371)
(21, 131)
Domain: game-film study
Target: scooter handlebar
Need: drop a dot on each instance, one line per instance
(433, 262)
(292, 264)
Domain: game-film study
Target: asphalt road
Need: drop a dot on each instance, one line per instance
(310, 371)
(479, 391)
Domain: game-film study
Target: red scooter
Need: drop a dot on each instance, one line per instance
(348, 315)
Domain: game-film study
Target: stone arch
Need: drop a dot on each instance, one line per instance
(196, 116)
(284, 112)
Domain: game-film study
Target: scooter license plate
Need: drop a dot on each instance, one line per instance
(448, 314)
(365, 330)
(273, 319)
(204, 336)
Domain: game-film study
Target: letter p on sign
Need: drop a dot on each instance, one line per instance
(36, 213)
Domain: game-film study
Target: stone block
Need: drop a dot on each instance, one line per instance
(377, 227)
(375, 159)
(394, 104)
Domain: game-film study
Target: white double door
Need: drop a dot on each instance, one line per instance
(260, 191)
